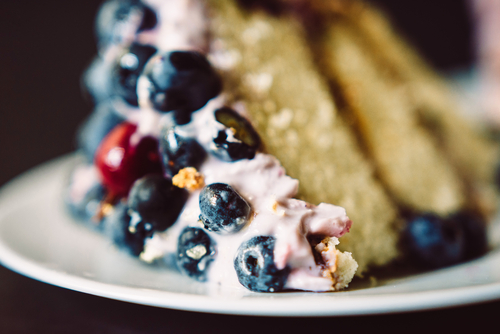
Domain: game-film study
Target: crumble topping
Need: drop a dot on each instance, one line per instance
(189, 178)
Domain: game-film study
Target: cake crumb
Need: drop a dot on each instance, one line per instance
(274, 206)
(104, 209)
(189, 178)
(340, 267)
(149, 254)
(107, 209)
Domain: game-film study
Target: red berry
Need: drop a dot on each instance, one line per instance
(120, 161)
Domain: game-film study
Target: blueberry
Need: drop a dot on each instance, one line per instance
(97, 80)
(254, 265)
(96, 127)
(86, 209)
(195, 251)
(117, 227)
(128, 68)
(181, 82)
(223, 210)
(149, 19)
(474, 229)
(178, 152)
(155, 203)
(238, 141)
(119, 20)
(433, 241)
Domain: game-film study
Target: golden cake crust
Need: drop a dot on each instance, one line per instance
(462, 140)
(290, 106)
(388, 125)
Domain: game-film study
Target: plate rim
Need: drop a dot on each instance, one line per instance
(342, 303)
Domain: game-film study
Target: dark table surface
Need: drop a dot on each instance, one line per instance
(45, 45)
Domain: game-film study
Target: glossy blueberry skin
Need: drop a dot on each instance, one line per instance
(238, 141)
(434, 242)
(127, 69)
(116, 227)
(117, 19)
(474, 230)
(96, 127)
(156, 202)
(254, 265)
(223, 210)
(178, 152)
(195, 251)
(181, 82)
(149, 19)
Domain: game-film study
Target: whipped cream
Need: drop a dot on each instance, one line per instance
(262, 181)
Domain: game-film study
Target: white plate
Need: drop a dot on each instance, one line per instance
(38, 239)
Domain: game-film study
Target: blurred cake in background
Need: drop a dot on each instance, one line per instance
(407, 127)
(487, 22)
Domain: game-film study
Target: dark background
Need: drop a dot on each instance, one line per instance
(45, 46)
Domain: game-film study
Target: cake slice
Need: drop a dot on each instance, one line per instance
(184, 174)
(463, 140)
(275, 80)
(431, 161)
(219, 100)
(408, 161)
